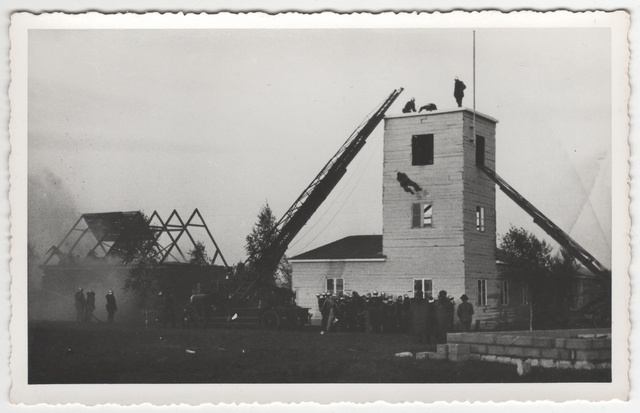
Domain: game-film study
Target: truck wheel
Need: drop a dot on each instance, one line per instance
(270, 320)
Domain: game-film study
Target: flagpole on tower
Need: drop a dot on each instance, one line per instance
(474, 83)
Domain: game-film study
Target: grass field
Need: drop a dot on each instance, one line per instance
(64, 352)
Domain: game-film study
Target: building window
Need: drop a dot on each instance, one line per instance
(422, 149)
(422, 215)
(504, 293)
(480, 218)
(479, 150)
(335, 285)
(425, 285)
(482, 292)
(525, 294)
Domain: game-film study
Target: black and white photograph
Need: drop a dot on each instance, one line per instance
(320, 200)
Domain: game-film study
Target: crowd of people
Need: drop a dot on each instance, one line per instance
(428, 320)
(86, 304)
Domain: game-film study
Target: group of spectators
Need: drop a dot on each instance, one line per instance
(428, 320)
(86, 305)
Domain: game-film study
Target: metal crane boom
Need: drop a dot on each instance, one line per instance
(266, 261)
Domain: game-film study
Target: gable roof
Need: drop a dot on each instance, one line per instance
(353, 247)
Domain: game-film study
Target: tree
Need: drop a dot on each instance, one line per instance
(261, 236)
(198, 255)
(532, 262)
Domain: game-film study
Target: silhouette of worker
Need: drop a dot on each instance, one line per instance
(406, 183)
(458, 91)
(410, 106)
(429, 107)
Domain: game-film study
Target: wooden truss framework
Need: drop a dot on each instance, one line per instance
(123, 227)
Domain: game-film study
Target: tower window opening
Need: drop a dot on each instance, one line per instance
(422, 149)
(480, 218)
(504, 293)
(482, 292)
(422, 215)
(479, 150)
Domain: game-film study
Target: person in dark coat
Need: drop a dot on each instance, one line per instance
(111, 306)
(90, 305)
(419, 318)
(410, 106)
(465, 313)
(406, 183)
(458, 91)
(80, 303)
(444, 315)
(430, 107)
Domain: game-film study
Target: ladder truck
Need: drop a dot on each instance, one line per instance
(247, 298)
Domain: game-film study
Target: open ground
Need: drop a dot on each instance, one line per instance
(65, 352)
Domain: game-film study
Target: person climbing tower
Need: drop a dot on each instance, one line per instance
(406, 183)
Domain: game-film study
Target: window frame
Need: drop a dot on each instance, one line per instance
(504, 292)
(480, 218)
(335, 282)
(422, 149)
(418, 215)
(422, 285)
(482, 292)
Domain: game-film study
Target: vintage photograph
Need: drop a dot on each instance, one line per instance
(328, 200)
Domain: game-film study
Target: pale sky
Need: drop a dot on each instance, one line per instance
(225, 120)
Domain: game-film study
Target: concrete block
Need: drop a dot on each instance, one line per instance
(535, 362)
(564, 364)
(443, 350)
(505, 340)
(584, 365)
(545, 342)
(523, 367)
(483, 338)
(561, 342)
(603, 366)
(476, 357)
(555, 353)
(531, 352)
(458, 349)
(496, 350)
(585, 355)
(505, 360)
(490, 358)
(601, 343)
(457, 338)
(436, 356)
(422, 355)
(458, 357)
(478, 349)
(523, 341)
(513, 351)
(578, 344)
(404, 354)
(547, 363)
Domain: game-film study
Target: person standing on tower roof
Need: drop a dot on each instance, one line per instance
(458, 91)
(410, 106)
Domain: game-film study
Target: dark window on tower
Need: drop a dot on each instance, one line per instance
(479, 150)
(422, 149)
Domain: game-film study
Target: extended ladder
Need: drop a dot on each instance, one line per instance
(549, 227)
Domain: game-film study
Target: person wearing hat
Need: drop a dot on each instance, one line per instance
(444, 315)
(465, 313)
(111, 306)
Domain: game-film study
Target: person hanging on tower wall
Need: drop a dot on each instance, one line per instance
(406, 183)
(465, 313)
(410, 106)
(458, 91)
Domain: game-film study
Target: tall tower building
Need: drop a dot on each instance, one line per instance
(442, 237)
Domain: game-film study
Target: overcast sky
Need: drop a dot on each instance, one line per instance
(226, 120)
